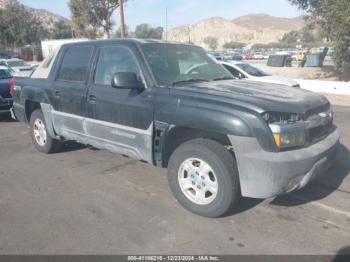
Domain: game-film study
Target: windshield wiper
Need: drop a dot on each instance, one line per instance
(223, 78)
(193, 80)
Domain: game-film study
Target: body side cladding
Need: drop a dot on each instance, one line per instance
(46, 109)
(31, 97)
(161, 128)
(132, 142)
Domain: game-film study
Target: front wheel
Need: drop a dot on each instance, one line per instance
(42, 141)
(203, 177)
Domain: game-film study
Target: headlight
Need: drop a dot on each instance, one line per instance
(288, 129)
(289, 135)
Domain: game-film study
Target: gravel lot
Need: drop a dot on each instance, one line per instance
(87, 201)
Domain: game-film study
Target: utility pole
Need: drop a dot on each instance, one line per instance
(122, 22)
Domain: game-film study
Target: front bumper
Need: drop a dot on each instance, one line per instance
(267, 174)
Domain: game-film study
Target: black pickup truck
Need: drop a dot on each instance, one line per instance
(172, 106)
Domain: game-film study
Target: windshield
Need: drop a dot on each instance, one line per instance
(5, 74)
(17, 63)
(251, 70)
(178, 64)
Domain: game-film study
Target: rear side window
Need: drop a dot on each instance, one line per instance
(114, 59)
(75, 64)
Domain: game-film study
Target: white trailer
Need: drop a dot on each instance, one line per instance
(48, 46)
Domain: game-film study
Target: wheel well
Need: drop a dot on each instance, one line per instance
(179, 135)
(30, 107)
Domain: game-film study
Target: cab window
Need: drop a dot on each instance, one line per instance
(75, 64)
(112, 60)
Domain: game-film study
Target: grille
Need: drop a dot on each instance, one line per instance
(318, 133)
(316, 111)
(321, 127)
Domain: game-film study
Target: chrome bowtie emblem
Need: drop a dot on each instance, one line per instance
(327, 114)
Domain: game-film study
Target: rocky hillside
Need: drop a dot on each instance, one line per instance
(263, 21)
(250, 29)
(47, 18)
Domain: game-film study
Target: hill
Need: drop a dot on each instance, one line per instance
(45, 17)
(250, 29)
(263, 21)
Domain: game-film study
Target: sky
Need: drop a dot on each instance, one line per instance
(181, 11)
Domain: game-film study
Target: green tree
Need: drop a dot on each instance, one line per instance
(211, 42)
(333, 18)
(84, 22)
(118, 33)
(89, 16)
(234, 45)
(281, 45)
(307, 36)
(145, 31)
(291, 37)
(61, 30)
(260, 46)
(19, 27)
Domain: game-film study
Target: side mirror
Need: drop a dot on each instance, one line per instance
(126, 80)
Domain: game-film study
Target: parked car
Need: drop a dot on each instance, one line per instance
(247, 71)
(236, 57)
(7, 82)
(7, 54)
(19, 66)
(220, 138)
(248, 57)
(217, 56)
(258, 56)
(266, 56)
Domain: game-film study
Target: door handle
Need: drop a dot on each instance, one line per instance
(92, 99)
(57, 94)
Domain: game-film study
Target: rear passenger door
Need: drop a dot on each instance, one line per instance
(121, 117)
(69, 90)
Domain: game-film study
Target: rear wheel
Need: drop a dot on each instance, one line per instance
(42, 140)
(203, 177)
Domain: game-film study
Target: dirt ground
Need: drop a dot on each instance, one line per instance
(328, 72)
(338, 100)
(88, 201)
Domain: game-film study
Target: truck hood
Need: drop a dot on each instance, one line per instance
(256, 96)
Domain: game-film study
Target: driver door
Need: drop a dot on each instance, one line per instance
(120, 120)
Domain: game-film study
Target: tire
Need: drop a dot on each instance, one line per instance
(220, 185)
(48, 145)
